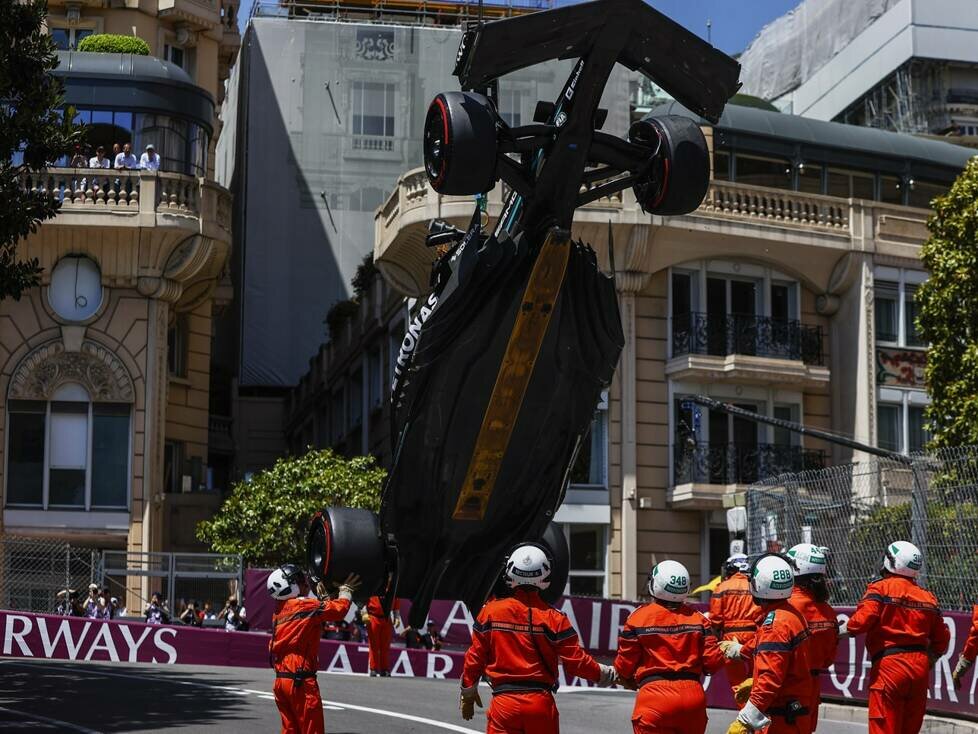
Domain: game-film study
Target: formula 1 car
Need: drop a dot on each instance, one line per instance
(503, 365)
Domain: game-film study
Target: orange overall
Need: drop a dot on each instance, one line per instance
(665, 652)
(970, 650)
(296, 628)
(903, 627)
(733, 615)
(823, 626)
(380, 632)
(517, 643)
(783, 671)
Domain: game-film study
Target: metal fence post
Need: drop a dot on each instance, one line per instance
(918, 516)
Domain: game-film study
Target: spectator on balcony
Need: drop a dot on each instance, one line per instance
(126, 159)
(156, 612)
(231, 615)
(78, 160)
(104, 610)
(62, 607)
(207, 613)
(149, 161)
(99, 160)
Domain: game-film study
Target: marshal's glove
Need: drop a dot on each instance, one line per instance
(742, 692)
(349, 586)
(844, 630)
(959, 670)
(467, 701)
(752, 717)
(731, 649)
(609, 676)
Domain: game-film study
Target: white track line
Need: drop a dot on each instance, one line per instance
(247, 691)
(46, 720)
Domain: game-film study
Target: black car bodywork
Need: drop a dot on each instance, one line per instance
(503, 365)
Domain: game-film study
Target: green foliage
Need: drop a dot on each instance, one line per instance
(364, 276)
(948, 313)
(265, 519)
(108, 43)
(340, 312)
(31, 123)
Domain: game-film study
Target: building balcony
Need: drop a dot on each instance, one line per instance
(198, 15)
(179, 225)
(741, 348)
(762, 223)
(703, 473)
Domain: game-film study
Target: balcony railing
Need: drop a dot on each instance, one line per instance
(759, 336)
(92, 189)
(740, 463)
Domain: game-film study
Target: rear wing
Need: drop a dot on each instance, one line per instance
(697, 75)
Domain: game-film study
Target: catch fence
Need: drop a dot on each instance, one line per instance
(34, 570)
(857, 509)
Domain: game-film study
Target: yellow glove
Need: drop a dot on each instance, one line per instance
(738, 727)
(468, 700)
(742, 692)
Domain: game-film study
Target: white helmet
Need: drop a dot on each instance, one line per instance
(283, 582)
(669, 581)
(736, 562)
(808, 559)
(528, 565)
(903, 559)
(771, 578)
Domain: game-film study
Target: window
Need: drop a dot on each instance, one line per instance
(901, 426)
(68, 453)
(591, 465)
(373, 109)
(891, 191)
(770, 172)
(173, 466)
(337, 417)
(511, 105)
(588, 548)
(67, 39)
(355, 413)
(895, 305)
(923, 192)
(175, 55)
(854, 184)
(176, 345)
(721, 164)
(810, 179)
(375, 379)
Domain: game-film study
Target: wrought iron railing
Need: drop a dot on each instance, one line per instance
(740, 463)
(761, 336)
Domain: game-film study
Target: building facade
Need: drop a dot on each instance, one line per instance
(324, 111)
(904, 65)
(789, 292)
(105, 365)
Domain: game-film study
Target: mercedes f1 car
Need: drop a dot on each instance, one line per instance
(503, 365)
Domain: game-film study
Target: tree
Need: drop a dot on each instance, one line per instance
(34, 129)
(948, 313)
(265, 519)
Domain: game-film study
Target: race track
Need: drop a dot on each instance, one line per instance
(49, 696)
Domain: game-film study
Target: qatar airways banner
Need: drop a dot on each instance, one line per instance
(70, 638)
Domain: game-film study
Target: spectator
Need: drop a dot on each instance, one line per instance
(190, 615)
(77, 609)
(156, 612)
(116, 149)
(432, 639)
(149, 161)
(104, 610)
(91, 603)
(231, 615)
(62, 606)
(78, 160)
(126, 159)
(99, 160)
(207, 613)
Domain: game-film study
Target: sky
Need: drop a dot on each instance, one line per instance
(734, 22)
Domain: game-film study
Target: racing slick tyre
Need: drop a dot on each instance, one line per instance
(681, 174)
(344, 540)
(460, 144)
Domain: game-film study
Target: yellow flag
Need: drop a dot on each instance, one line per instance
(706, 587)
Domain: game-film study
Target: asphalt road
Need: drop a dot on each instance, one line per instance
(46, 696)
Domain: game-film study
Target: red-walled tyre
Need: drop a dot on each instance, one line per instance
(460, 144)
(343, 540)
(681, 174)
